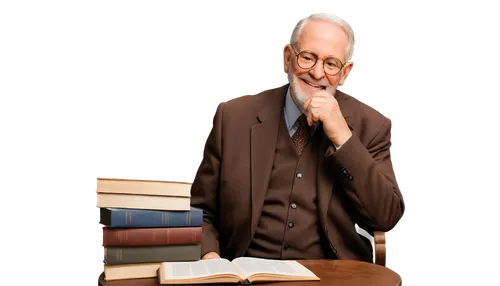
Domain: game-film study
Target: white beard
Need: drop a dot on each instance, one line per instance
(296, 92)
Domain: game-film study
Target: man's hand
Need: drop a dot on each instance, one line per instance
(322, 106)
(211, 255)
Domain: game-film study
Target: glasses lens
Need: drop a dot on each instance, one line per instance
(332, 66)
(306, 60)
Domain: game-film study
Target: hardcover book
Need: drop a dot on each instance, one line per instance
(148, 254)
(130, 271)
(115, 217)
(150, 236)
(135, 193)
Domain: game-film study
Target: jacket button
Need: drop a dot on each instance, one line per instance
(299, 175)
(291, 224)
(346, 173)
(285, 246)
(294, 205)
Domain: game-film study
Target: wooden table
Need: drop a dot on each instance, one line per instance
(331, 273)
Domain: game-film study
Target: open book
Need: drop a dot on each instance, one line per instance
(243, 270)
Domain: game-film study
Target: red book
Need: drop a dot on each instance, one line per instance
(151, 236)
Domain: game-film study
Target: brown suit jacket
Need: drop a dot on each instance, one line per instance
(355, 184)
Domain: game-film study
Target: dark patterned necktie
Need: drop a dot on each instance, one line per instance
(301, 136)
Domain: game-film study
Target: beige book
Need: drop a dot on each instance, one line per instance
(240, 270)
(147, 202)
(143, 187)
(130, 271)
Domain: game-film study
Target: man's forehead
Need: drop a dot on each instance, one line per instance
(322, 36)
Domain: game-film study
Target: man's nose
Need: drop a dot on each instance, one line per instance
(317, 71)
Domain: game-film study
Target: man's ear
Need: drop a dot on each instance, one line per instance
(345, 72)
(287, 54)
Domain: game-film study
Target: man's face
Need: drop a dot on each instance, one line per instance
(325, 40)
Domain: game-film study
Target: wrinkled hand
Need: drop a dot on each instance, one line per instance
(322, 106)
(211, 255)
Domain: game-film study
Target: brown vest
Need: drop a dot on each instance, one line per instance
(289, 226)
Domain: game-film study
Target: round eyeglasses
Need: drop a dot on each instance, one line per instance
(307, 60)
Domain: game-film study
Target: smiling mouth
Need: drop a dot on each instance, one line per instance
(313, 85)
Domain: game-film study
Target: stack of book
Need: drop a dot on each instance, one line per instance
(146, 223)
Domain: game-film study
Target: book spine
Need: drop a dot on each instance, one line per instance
(151, 236)
(171, 253)
(149, 218)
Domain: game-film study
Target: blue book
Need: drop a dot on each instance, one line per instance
(114, 217)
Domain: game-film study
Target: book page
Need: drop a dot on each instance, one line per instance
(201, 268)
(250, 266)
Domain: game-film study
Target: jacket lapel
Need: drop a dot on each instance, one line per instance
(324, 180)
(264, 136)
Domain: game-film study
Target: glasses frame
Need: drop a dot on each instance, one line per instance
(316, 61)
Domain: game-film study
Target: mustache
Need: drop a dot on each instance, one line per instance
(307, 77)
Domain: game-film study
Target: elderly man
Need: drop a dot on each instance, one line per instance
(287, 173)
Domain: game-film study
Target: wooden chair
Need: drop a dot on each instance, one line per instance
(380, 244)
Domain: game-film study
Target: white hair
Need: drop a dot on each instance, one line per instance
(332, 19)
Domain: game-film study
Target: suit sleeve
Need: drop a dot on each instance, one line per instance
(205, 188)
(368, 179)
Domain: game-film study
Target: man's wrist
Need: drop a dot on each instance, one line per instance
(338, 143)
